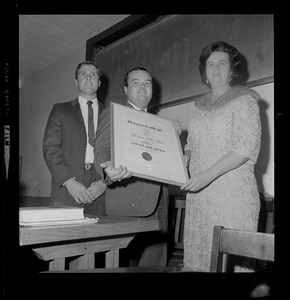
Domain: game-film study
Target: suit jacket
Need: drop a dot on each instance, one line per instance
(129, 197)
(64, 149)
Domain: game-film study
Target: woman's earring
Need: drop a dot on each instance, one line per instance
(229, 79)
(207, 81)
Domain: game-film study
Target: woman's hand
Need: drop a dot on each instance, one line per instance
(228, 162)
(197, 182)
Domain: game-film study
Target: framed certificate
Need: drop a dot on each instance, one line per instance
(147, 145)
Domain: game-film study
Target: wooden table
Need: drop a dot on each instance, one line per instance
(151, 269)
(56, 243)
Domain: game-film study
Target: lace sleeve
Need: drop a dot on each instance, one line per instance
(246, 138)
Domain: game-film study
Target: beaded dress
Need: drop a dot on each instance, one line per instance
(232, 200)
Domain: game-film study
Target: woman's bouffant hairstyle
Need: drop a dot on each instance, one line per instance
(234, 55)
(87, 63)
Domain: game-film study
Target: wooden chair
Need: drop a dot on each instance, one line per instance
(255, 245)
(177, 215)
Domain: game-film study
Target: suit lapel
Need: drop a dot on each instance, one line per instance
(75, 106)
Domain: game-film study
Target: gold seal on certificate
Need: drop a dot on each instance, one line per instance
(146, 156)
(147, 145)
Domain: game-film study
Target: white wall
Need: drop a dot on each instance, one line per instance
(265, 164)
(37, 95)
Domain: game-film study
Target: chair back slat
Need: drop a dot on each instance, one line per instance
(249, 244)
(255, 245)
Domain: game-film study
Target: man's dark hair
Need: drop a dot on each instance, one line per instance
(87, 63)
(134, 69)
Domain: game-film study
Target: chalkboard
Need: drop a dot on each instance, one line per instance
(169, 49)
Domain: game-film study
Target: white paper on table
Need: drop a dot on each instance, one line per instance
(66, 222)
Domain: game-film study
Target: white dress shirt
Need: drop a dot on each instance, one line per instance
(145, 109)
(84, 109)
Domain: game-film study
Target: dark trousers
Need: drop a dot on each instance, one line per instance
(97, 208)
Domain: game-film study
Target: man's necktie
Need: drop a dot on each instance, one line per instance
(91, 128)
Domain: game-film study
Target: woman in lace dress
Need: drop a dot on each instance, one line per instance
(223, 144)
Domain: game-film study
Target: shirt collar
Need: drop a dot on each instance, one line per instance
(138, 108)
(83, 101)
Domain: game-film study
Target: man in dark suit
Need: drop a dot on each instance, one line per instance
(134, 196)
(67, 150)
